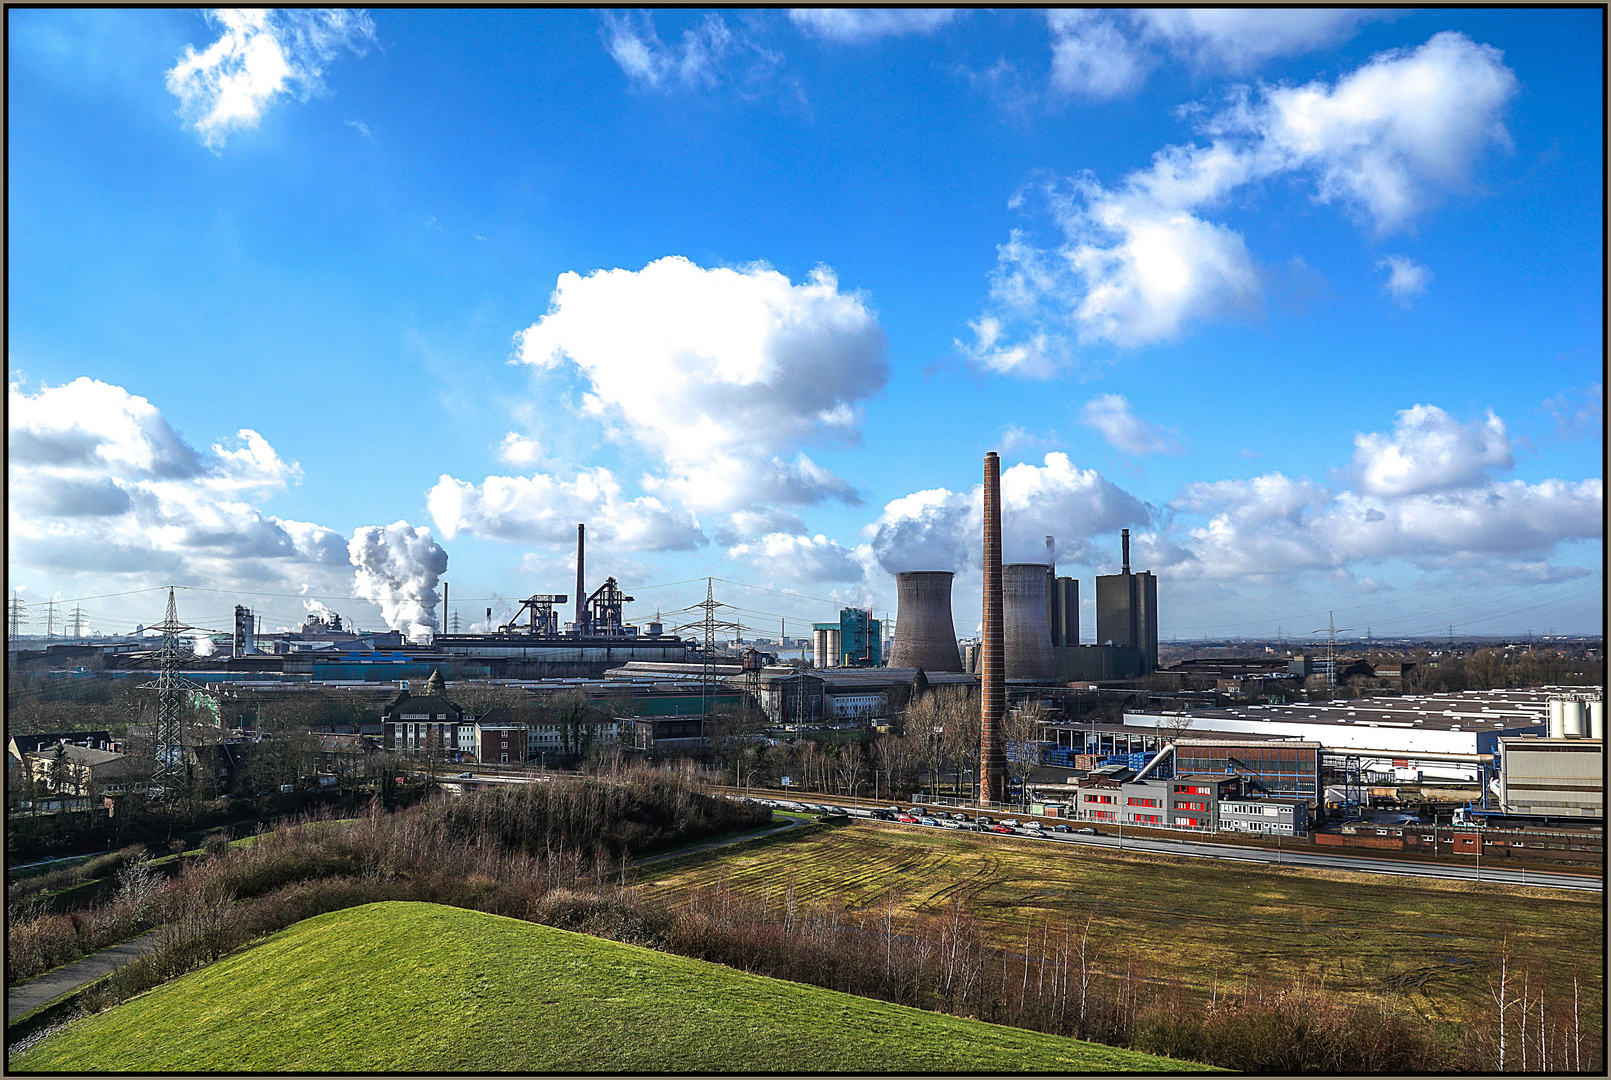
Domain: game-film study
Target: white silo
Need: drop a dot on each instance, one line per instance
(1557, 718)
(1575, 718)
(1028, 637)
(1597, 719)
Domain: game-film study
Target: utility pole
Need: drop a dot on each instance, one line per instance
(16, 615)
(78, 621)
(50, 620)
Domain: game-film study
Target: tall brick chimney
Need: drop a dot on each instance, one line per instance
(992, 652)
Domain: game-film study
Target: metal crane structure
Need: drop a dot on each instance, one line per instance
(604, 608)
(172, 770)
(542, 618)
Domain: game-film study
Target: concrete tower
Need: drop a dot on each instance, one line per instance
(1026, 637)
(992, 674)
(925, 636)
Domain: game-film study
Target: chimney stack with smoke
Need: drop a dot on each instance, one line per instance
(992, 670)
(581, 594)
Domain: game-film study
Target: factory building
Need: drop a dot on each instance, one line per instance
(1441, 734)
(1127, 610)
(1186, 801)
(1554, 778)
(1270, 766)
(859, 644)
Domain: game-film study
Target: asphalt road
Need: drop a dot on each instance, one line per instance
(25, 997)
(1298, 858)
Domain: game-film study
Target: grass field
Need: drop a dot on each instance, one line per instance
(1190, 919)
(410, 987)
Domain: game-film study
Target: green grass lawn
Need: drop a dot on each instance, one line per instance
(411, 987)
(1431, 943)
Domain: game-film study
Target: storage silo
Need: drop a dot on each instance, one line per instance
(925, 636)
(1557, 718)
(1027, 637)
(1575, 718)
(1597, 719)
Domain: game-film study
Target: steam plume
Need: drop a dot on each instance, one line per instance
(398, 567)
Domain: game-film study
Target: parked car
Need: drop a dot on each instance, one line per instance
(1000, 829)
(1011, 823)
(881, 815)
(1060, 827)
(1088, 831)
(466, 776)
(950, 825)
(928, 821)
(908, 818)
(1033, 825)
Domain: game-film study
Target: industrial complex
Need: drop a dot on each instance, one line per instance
(1234, 745)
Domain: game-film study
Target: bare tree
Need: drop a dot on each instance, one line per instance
(1020, 731)
(959, 722)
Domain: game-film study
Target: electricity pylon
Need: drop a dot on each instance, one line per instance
(172, 771)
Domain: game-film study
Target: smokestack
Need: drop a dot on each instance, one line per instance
(992, 681)
(1124, 535)
(925, 636)
(1026, 635)
(581, 595)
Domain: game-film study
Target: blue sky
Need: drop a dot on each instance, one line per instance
(325, 307)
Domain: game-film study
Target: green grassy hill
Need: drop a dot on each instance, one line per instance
(411, 987)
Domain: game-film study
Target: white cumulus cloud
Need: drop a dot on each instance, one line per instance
(100, 483)
(1428, 450)
(1141, 259)
(1423, 496)
(1238, 39)
(541, 508)
(1406, 278)
(260, 56)
(799, 558)
(1126, 432)
(1092, 57)
(724, 375)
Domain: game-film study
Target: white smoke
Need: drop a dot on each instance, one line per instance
(316, 607)
(204, 645)
(398, 567)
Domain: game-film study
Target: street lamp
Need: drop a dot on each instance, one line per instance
(855, 799)
(747, 780)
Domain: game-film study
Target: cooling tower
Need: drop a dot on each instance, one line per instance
(992, 683)
(1027, 639)
(925, 637)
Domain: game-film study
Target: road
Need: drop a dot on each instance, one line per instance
(1288, 857)
(25, 997)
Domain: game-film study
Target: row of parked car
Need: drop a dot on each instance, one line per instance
(933, 818)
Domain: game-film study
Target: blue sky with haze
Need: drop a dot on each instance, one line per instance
(1309, 301)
